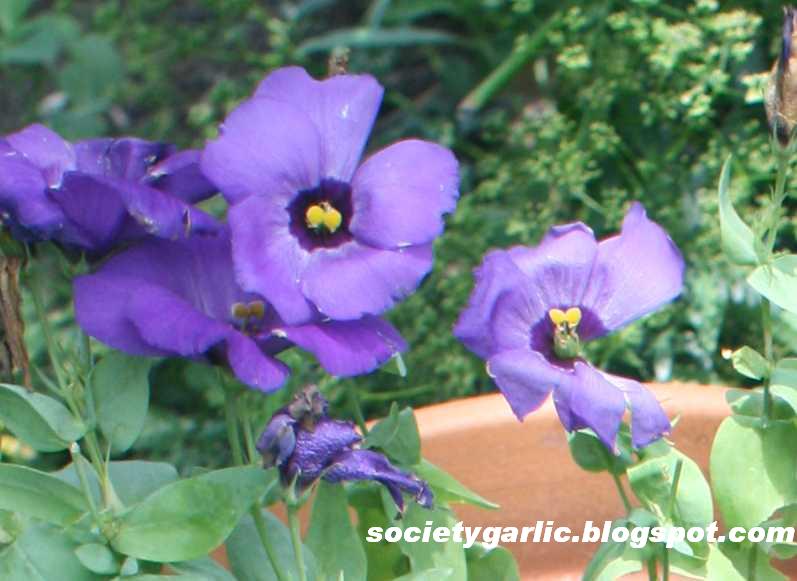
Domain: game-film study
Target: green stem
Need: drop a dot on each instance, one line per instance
(77, 462)
(665, 565)
(249, 440)
(524, 50)
(357, 410)
(621, 491)
(766, 325)
(652, 572)
(231, 418)
(296, 539)
(53, 350)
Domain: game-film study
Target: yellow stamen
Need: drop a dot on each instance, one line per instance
(315, 215)
(558, 316)
(332, 219)
(257, 309)
(573, 316)
(239, 310)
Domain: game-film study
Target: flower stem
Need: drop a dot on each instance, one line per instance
(231, 417)
(653, 574)
(665, 565)
(621, 491)
(53, 350)
(296, 539)
(357, 410)
(74, 452)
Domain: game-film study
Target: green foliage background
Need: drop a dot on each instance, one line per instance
(614, 101)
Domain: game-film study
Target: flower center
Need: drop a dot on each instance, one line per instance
(320, 216)
(323, 215)
(566, 344)
(248, 316)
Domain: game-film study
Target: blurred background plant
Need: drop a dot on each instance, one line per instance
(558, 111)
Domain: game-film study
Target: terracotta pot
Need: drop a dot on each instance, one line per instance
(526, 468)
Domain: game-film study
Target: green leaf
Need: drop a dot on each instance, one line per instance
(41, 40)
(612, 561)
(750, 402)
(652, 482)
(437, 574)
(719, 566)
(395, 366)
(784, 381)
(738, 240)
(120, 388)
(448, 489)
(205, 567)
(11, 13)
(750, 363)
(97, 558)
(752, 469)
(375, 38)
(134, 480)
(397, 436)
(37, 419)
(248, 559)
(591, 455)
(94, 71)
(39, 495)
(43, 553)
(432, 555)
(777, 281)
(189, 518)
(742, 556)
(485, 564)
(386, 562)
(332, 538)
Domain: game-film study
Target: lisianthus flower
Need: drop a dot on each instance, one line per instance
(98, 193)
(306, 444)
(313, 229)
(180, 298)
(532, 308)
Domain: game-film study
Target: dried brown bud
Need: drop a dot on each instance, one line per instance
(781, 95)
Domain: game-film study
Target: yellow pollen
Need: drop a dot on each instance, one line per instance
(571, 317)
(257, 309)
(239, 310)
(558, 316)
(323, 214)
(315, 216)
(332, 219)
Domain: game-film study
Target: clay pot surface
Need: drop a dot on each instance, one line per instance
(526, 468)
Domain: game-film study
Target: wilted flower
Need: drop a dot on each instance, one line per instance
(180, 298)
(97, 193)
(533, 307)
(311, 230)
(781, 95)
(305, 444)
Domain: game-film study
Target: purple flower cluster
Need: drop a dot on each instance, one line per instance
(532, 308)
(317, 244)
(305, 444)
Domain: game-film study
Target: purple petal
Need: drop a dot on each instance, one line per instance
(370, 465)
(252, 366)
(346, 348)
(353, 280)
(101, 311)
(648, 420)
(45, 149)
(92, 156)
(401, 193)
(266, 147)
(92, 208)
(130, 158)
(268, 259)
(317, 448)
(497, 273)
(278, 441)
(525, 379)
(560, 266)
(516, 314)
(170, 323)
(22, 195)
(342, 108)
(588, 400)
(636, 272)
(180, 175)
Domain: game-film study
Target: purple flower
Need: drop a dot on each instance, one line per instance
(98, 193)
(307, 445)
(180, 298)
(313, 229)
(533, 307)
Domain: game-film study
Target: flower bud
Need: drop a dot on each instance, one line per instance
(781, 94)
